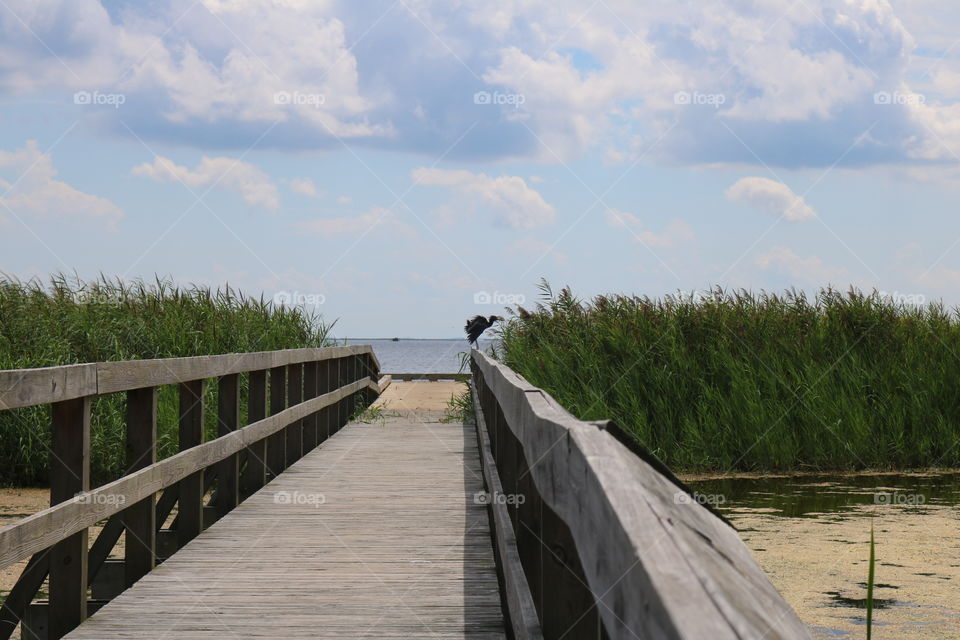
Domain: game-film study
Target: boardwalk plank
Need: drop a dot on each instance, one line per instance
(374, 534)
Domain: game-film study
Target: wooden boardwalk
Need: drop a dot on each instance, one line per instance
(374, 534)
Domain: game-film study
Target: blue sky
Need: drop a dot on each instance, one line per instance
(403, 164)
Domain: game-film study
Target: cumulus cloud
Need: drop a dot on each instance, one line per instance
(770, 196)
(318, 73)
(28, 187)
(676, 233)
(304, 186)
(253, 185)
(515, 204)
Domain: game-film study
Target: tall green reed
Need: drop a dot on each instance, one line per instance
(737, 380)
(68, 321)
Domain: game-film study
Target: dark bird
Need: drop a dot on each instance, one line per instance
(477, 325)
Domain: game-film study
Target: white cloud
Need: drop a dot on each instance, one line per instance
(810, 270)
(304, 186)
(676, 233)
(30, 188)
(515, 204)
(788, 73)
(770, 196)
(374, 218)
(250, 182)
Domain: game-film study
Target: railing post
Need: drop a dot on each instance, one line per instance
(277, 443)
(369, 368)
(310, 377)
(328, 383)
(294, 397)
(339, 372)
(139, 520)
(190, 489)
(254, 477)
(228, 419)
(69, 475)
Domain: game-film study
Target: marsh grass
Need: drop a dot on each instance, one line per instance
(459, 408)
(372, 414)
(68, 321)
(742, 381)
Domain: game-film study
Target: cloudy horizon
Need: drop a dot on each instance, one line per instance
(401, 165)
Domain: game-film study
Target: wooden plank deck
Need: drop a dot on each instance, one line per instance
(374, 534)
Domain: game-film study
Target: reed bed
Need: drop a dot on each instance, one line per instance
(757, 382)
(70, 321)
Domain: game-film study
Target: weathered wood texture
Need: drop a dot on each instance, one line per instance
(657, 564)
(69, 475)
(521, 610)
(44, 528)
(29, 387)
(376, 533)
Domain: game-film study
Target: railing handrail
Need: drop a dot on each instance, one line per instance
(655, 562)
(23, 538)
(297, 399)
(47, 385)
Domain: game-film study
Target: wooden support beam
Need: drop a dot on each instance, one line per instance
(190, 506)
(310, 390)
(277, 443)
(18, 600)
(228, 421)
(69, 475)
(139, 519)
(254, 473)
(294, 397)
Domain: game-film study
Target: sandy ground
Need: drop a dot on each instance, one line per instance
(419, 396)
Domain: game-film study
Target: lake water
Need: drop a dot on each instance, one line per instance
(420, 356)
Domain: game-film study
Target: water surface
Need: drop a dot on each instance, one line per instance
(419, 356)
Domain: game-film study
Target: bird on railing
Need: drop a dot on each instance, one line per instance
(477, 325)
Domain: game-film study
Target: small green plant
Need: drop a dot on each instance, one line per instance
(870, 584)
(373, 414)
(459, 408)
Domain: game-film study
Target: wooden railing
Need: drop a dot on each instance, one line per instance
(596, 539)
(297, 399)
